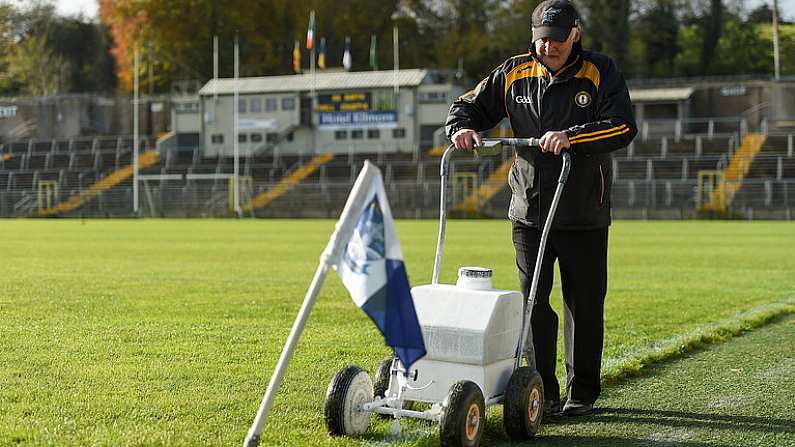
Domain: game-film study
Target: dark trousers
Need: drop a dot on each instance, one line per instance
(582, 260)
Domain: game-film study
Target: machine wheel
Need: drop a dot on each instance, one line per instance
(382, 376)
(523, 405)
(464, 416)
(381, 385)
(348, 389)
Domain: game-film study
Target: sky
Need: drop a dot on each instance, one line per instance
(89, 7)
(72, 7)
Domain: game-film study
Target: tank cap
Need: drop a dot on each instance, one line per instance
(474, 272)
(475, 278)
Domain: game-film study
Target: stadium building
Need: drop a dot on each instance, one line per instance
(373, 111)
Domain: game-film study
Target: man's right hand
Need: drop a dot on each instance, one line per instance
(466, 139)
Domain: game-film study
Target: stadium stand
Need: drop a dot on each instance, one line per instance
(655, 177)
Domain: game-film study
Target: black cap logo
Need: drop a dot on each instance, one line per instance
(549, 17)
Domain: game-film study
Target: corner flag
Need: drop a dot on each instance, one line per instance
(365, 251)
(372, 269)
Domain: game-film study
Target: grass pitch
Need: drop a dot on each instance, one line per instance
(166, 332)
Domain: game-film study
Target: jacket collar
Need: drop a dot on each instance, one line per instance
(569, 68)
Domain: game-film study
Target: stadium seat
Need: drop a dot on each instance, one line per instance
(23, 180)
(36, 161)
(776, 144)
(19, 147)
(82, 145)
(631, 170)
(41, 147)
(106, 144)
(84, 160)
(60, 161)
(667, 169)
(788, 168)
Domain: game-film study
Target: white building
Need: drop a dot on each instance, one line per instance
(348, 112)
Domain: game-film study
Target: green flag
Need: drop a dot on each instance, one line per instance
(373, 57)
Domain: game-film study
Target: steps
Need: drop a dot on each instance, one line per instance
(288, 182)
(145, 160)
(495, 183)
(731, 179)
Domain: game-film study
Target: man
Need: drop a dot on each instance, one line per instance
(577, 101)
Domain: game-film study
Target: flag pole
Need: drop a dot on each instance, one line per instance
(235, 140)
(136, 137)
(395, 45)
(330, 257)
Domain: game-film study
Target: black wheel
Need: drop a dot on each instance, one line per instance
(523, 404)
(348, 389)
(381, 385)
(382, 376)
(464, 416)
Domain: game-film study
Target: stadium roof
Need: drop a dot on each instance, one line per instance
(660, 94)
(337, 80)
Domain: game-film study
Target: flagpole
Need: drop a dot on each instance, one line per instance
(395, 44)
(136, 141)
(330, 257)
(215, 73)
(312, 62)
(236, 107)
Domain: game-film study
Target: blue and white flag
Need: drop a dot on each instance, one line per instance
(371, 267)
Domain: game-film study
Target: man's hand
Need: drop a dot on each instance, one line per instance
(554, 142)
(466, 139)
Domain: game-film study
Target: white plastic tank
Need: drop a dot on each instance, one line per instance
(471, 322)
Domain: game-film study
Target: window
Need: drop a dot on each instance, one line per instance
(373, 134)
(357, 134)
(288, 103)
(340, 134)
(217, 138)
(256, 137)
(241, 105)
(186, 107)
(290, 136)
(399, 133)
(272, 137)
(242, 138)
(271, 104)
(384, 101)
(255, 105)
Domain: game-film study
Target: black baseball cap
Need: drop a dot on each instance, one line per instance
(554, 19)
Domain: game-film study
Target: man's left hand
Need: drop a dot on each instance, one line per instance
(554, 142)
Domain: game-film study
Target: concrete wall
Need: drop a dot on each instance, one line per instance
(71, 116)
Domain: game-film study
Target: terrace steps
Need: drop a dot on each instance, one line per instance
(146, 159)
(286, 183)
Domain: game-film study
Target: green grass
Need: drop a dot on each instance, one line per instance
(729, 395)
(165, 332)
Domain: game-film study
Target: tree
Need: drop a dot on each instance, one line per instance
(657, 29)
(606, 27)
(36, 69)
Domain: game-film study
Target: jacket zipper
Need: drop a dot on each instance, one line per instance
(601, 185)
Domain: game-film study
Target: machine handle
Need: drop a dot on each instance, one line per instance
(444, 173)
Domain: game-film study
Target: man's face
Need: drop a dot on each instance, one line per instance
(554, 53)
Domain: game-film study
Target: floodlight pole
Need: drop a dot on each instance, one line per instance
(776, 46)
(135, 132)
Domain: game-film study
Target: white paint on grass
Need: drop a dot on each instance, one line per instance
(786, 370)
(730, 402)
(663, 349)
(671, 437)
